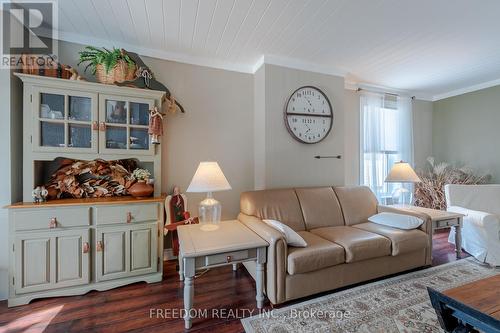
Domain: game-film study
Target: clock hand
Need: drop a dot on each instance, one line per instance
(308, 101)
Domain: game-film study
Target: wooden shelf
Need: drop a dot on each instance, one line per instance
(87, 201)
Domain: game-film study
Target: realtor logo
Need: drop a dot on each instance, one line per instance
(29, 32)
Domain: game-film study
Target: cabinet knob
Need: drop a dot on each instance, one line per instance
(86, 247)
(129, 217)
(99, 246)
(102, 126)
(95, 125)
(53, 223)
(229, 259)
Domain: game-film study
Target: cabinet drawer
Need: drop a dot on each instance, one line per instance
(446, 223)
(131, 213)
(228, 257)
(50, 218)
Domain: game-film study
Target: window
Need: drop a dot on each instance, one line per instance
(386, 138)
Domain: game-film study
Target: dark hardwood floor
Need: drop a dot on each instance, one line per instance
(129, 308)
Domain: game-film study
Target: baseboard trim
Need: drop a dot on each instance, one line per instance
(22, 299)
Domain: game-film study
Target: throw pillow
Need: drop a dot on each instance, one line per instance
(400, 221)
(292, 238)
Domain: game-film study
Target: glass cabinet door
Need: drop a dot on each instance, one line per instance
(124, 125)
(64, 121)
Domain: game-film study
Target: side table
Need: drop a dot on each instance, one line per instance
(230, 244)
(441, 219)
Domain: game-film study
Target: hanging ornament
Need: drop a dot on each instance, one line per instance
(155, 125)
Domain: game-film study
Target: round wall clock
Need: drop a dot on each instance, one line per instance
(308, 115)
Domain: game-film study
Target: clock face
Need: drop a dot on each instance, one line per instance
(308, 115)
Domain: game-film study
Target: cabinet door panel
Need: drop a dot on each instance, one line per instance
(112, 245)
(33, 263)
(64, 121)
(51, 259)
(124, 125)
(127, 250)
(143, 249)
(72, 262)
(114, 249)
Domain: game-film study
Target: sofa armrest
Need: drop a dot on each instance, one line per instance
(276, 257)
(425, 227)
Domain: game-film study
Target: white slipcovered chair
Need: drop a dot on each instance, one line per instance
(481, 225)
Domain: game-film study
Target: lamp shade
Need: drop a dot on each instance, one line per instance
(402, 172)
(208, 178)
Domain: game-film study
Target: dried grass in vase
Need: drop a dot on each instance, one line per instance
(430, 192)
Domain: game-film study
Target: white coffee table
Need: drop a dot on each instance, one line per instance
(441, 219)
(230, 244)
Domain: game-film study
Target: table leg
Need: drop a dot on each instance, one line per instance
(259, 279)
(458, 238)
(188, 290)
(181, 268)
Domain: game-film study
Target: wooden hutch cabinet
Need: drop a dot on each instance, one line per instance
(71, 246)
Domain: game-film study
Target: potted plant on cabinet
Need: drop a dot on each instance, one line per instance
(108, 66)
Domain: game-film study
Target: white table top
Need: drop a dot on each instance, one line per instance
(435, 214)
(230, 236)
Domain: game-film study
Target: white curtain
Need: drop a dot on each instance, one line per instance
(386, 138)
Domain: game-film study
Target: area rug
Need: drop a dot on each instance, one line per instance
(398, 304)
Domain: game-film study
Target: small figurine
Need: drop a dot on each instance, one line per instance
(155, 125)
(171, 105)
(39, 194)
(175, 206)
(74, 74)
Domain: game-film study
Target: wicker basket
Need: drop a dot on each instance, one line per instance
(120, 73)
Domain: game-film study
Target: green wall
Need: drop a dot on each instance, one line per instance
(466, 130)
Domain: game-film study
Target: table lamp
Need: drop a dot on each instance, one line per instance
(209, 178)
(402, 172)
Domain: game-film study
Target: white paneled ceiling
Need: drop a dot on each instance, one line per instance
(425, 47)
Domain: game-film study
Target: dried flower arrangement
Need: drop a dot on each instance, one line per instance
(91, 179)
(430, 192)
(141, 174)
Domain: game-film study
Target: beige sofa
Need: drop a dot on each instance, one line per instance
(343, 247)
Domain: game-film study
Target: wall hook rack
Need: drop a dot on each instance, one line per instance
(333, 156)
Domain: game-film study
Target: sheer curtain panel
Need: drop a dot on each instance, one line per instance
(386, 137)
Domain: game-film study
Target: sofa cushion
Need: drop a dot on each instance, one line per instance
(403, 241)
(320, 207)
(358, 203)
(318, 254)
(358, 244)
(281, 205)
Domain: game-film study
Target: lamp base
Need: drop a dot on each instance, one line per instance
(399, 196)
(209, 227)
(209, 213)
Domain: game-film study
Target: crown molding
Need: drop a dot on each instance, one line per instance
(205, 61)
(154, 53)
(258, 64)
(271, 60)
(298, 64)
(466, 90)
